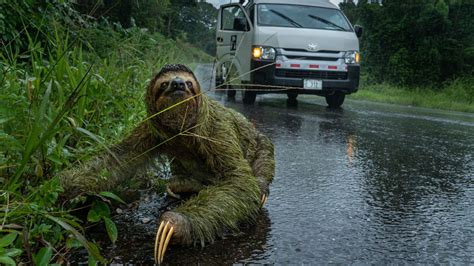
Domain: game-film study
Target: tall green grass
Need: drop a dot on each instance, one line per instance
(457, 95)
(59, 103)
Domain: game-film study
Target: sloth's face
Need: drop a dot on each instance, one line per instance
(174, 87)
(178, 90)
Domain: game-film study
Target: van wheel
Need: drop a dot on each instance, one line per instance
(292, 102)
(292, 96)
(249, 97)
(335, 100)
(230, 91)
(217, 84)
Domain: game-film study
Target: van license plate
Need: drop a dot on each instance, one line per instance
(313, 84)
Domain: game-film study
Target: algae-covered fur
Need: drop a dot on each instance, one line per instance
(217, 156)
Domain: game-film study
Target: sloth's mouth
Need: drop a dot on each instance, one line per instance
(177, 94)
(178, 90)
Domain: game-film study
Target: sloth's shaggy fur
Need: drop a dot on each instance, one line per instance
(217, 156)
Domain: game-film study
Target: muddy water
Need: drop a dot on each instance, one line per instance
(370, 183)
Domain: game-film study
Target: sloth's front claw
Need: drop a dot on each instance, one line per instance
(163, 236)
(171, 194)
(263, 200)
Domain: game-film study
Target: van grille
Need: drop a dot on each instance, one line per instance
(312, 58)
(306, 51)
(293, 73)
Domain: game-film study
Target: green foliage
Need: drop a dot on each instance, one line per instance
(41, 221)
(415, 43)
(33, 17)
(111, 195)
(199, 24)
(91, 247)
(186, 20)
(111, 229)
(43, 256)
(128, 13)
(7, 254)
(100, 211)
(457, 95)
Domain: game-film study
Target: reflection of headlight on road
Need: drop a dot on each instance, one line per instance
(263, 53)
(352, 57)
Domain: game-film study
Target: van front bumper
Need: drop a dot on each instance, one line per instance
(283, 80)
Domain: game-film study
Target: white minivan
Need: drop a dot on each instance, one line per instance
(282, 46)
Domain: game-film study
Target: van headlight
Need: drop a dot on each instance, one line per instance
(263, 53)
(352, 57)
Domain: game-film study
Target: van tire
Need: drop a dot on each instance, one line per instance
(292, 96)
(230, 91)
(249, 97)
(335, 100)
(217, 84)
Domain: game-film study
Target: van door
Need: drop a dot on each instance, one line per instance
(234, 42)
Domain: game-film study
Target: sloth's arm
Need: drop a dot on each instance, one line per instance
(105, 171)
(184, 184)
(235, 198)
(185, 178)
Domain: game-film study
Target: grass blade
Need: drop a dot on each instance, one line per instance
(50, 131)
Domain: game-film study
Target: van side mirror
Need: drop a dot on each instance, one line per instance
(240, 24)
(358, 30)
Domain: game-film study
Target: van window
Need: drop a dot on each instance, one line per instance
(297, 16)
(229, 14)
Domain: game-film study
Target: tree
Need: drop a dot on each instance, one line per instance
(418, 42)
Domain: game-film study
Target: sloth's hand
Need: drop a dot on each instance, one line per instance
(171, 225)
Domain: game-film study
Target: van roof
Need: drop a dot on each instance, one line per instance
(321, 3)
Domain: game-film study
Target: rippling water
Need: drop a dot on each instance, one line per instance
(360, 185)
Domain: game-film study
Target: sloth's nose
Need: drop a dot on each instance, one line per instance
(178, 84)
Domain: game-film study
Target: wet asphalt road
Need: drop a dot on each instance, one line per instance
(369, 183)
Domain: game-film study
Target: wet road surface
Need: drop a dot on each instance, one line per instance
(369, 183)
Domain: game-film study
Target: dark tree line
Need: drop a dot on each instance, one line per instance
(417, 42)
(190, 20)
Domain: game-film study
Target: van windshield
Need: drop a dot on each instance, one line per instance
(297, 16)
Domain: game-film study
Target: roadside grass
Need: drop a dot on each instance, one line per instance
(60, 103)
(457, 95)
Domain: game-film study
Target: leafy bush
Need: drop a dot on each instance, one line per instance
(34, 17)
(416, 43)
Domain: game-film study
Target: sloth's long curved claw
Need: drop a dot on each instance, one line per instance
(171, 193)
(163, 236)
(263, 200)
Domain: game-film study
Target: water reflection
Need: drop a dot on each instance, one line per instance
(273, 122)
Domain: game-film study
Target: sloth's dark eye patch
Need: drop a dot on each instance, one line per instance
(162, 89)
(189, 84)
(164, 85)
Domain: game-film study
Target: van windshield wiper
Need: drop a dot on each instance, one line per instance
(286, 18)
(327, 22)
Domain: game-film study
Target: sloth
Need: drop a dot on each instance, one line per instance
(221, 165)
